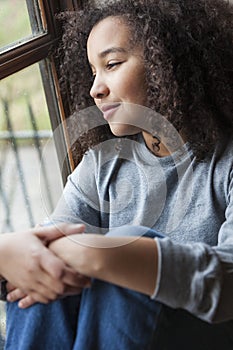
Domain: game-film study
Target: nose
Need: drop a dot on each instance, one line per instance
(99, 89)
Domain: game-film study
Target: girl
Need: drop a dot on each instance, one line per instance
(159, 181)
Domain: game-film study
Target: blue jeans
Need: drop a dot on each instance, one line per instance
(109, 317)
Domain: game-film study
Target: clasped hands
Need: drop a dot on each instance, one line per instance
(34, 270)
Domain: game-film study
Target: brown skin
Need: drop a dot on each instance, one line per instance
(129, 262)
(119, 75)
(37, 274)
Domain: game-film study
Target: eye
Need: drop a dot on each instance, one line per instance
(112, 65)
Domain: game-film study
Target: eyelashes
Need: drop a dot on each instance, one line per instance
(112, 65)
(108, 67)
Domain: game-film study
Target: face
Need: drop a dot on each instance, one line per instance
(118, 72)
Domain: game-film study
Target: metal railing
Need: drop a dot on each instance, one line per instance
(10, 142)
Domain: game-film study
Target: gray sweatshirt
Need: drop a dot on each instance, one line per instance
(120, 182)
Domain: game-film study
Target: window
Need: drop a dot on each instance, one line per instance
(30, 43)
(33, 164)
(28, 22)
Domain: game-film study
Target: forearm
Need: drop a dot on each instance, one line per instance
(129, 262)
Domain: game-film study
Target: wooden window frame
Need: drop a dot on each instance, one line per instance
(35, 50)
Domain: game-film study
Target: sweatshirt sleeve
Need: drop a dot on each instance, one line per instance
(197, 277)
(79, 202)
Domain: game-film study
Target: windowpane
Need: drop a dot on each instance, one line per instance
(20, 20)
(30, 180)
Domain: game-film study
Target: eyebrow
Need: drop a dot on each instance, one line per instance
(106, 52)
(111, 50)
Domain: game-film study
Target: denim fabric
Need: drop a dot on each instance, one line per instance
(42, 327)
(109, 317)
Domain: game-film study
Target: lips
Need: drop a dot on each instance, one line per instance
(109, 109)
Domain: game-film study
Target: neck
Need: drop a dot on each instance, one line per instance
(158, 147)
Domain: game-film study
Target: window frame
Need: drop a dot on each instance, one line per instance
(36, 50)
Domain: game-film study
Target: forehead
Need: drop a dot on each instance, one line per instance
(110, 32)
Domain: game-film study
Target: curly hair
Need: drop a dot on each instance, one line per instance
(188, 54)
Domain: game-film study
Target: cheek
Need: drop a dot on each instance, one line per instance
(136, 88)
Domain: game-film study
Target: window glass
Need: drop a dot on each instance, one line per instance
(30, 180)
(20, 20)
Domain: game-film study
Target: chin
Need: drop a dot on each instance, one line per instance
(124, 130)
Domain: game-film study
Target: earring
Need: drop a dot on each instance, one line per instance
(156, 143)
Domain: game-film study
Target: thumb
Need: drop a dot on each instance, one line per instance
(50, 233)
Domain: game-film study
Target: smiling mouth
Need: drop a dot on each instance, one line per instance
(109, 109)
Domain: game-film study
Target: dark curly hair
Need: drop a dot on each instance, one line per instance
(188, 51)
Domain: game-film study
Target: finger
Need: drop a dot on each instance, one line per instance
(51, 264)
(26, 302)
(30, 300)
(45, 286)
(10, 287)
(74, 279)
(48, 288)
(50, 233)
(41, 298)
(15, 295)
(51, 288)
